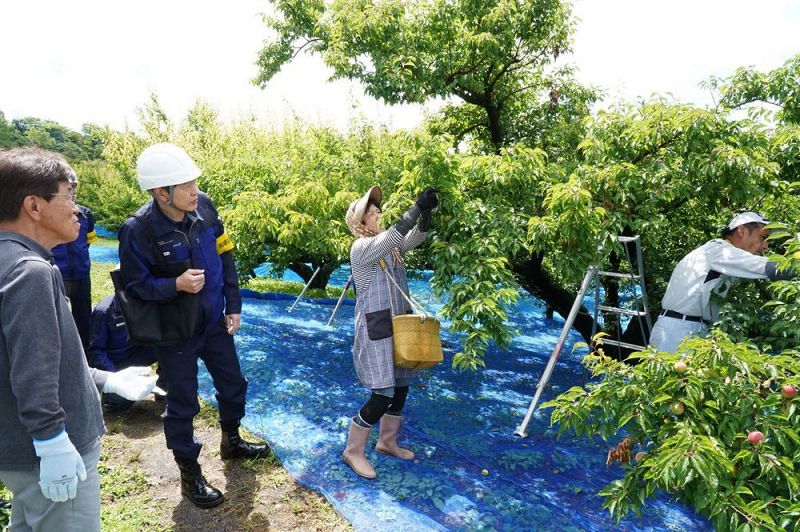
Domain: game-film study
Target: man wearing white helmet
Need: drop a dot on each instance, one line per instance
(704, 276)
(181, 223)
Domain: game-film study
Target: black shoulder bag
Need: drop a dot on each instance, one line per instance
(157, 323)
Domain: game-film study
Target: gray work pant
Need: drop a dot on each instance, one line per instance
(32, 511)
(668, 333)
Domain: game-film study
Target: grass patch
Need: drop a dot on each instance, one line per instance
(208, 416)
(5, 515)
(101, 281)
(136, 455)
(265, 284)
(131, 514)
(125, 504)
(113, 426)
(117, 483)
(261, 466)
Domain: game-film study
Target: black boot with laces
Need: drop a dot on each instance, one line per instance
(233, 446)
(195, 487)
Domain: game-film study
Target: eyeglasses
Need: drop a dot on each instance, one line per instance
(72, 195)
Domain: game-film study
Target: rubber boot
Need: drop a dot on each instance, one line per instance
(233, 446)
(195, 487)
(387, 438)
(353, 454)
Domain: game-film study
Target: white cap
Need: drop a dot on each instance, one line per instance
(164, 165)
(746, 218)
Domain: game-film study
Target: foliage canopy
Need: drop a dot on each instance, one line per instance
(693, 428)
(496, 56)
(542, 183)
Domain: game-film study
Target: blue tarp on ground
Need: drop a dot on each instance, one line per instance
(472, 473)
(103, 232)
(107, 254)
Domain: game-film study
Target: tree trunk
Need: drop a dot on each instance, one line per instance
(635, 332)
(495, 127)
(611, 299)
(534, 279)
(321, 280)
(530, 275)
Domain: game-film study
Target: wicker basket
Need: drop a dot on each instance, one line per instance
(417, 344)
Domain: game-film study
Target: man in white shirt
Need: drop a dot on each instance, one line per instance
(703, 277)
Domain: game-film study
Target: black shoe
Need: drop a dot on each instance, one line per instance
(195, 487)
(233, 446)
(113, 403)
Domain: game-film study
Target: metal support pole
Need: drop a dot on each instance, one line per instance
(645, 306)
(305, 288)
(548, 370)
(338, 303)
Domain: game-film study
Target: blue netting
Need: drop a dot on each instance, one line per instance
(472, 473)
(105, 233)
(303, 390)
(104, 254)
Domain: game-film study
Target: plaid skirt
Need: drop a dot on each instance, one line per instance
(374, 358)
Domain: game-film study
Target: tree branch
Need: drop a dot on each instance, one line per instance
(303, 46)
(467, 96)
(639, 157)
(469, 129)
(754, 100)
(451, 77)
(532, 277)
(514, 92)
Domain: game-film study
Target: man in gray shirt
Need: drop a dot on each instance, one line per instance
(50, 416)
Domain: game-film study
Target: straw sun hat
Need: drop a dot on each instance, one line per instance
(357, 209)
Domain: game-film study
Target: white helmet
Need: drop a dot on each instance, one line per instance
(164, 165)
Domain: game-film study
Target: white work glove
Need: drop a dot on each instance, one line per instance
(60, 467)
(131, 383)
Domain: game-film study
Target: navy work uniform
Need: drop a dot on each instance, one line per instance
(199, 238)
(110, 350)
(74, 264)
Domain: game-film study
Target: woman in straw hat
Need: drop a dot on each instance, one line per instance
(377, 299)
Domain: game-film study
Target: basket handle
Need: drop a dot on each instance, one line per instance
(411, 302)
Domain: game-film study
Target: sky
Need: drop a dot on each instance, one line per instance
(97, 61)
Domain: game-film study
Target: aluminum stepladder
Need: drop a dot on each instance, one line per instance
(593, 273)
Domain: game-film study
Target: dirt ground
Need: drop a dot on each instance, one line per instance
(142, 487)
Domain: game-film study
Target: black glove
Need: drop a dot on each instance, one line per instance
(427, 199)
(406, 223)
(424, 221)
